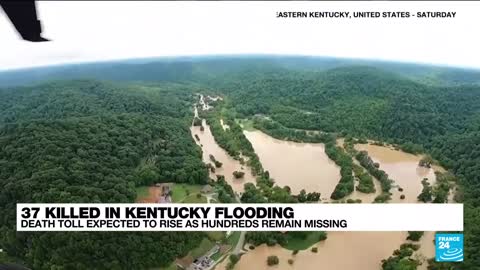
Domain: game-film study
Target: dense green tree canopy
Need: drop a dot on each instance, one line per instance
(86, 141)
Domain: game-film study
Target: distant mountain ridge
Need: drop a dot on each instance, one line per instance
(203, 68)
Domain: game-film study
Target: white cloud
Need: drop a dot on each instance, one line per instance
(91, 31)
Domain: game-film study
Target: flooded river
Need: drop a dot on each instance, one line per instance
(306, 166)
(341, 251)
(402, 168)
(297, 165)
(210, 147)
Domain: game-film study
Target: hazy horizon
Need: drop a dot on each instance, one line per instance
(150, 59)
(94, 31)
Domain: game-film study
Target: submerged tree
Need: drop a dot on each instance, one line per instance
(238, 174)
(272, 260)
(426, 194)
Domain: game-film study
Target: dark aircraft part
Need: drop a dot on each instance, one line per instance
(23, 15)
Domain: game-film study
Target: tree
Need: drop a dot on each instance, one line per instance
(414, 235)
(426, 161)
(272, 260)
(238, 174)
(426, 194)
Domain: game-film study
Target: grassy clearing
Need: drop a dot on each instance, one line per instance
(297, 243)
(194, 199)
(182, 191)
(142, 192)
(232, 240)
(247, 124)
(203, 248)
(217, 256)
(216, 236)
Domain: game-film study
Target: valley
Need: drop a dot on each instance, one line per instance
(264, 130)
(305, 166)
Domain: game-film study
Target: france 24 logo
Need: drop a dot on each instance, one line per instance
(449, 247)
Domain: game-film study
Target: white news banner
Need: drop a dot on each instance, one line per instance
(239, 217)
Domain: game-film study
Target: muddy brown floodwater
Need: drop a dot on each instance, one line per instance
(341, 251)
(297, 165)
(210, 147)
(306, 166)
(402, 168)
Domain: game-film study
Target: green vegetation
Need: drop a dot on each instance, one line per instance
(87, 141)
(441, 190)
(296, 240)
(217, 163)
(180, 192)
(205, 245)
(246, 124)
(90, 141)
(272, 260)
(426, 161)
(215, 236)
(346, 184)
(433, 265)
(232, 140)
(269, 238)
(304, 197)
(267, 191)
(299, 240)
(426, 194)
(197, 122)
(225, 191)
(365, 183)
(233, 238)
(197, 198)
(238, 174)
(365, 180)
(233, 259)
(142, 192)
(373, 169)
(402, 259)
(382, 198)
(414, 235)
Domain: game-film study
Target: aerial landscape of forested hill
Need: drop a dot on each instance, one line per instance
(94, 132)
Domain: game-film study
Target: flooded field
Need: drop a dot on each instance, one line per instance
(401, 167)
(306, 166)
(210, 147)
(341, 251)
(297, 165)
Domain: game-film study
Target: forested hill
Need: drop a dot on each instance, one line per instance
(364, 101)
(90, 141)
(204, 69)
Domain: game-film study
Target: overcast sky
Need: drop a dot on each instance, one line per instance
(91, 31)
